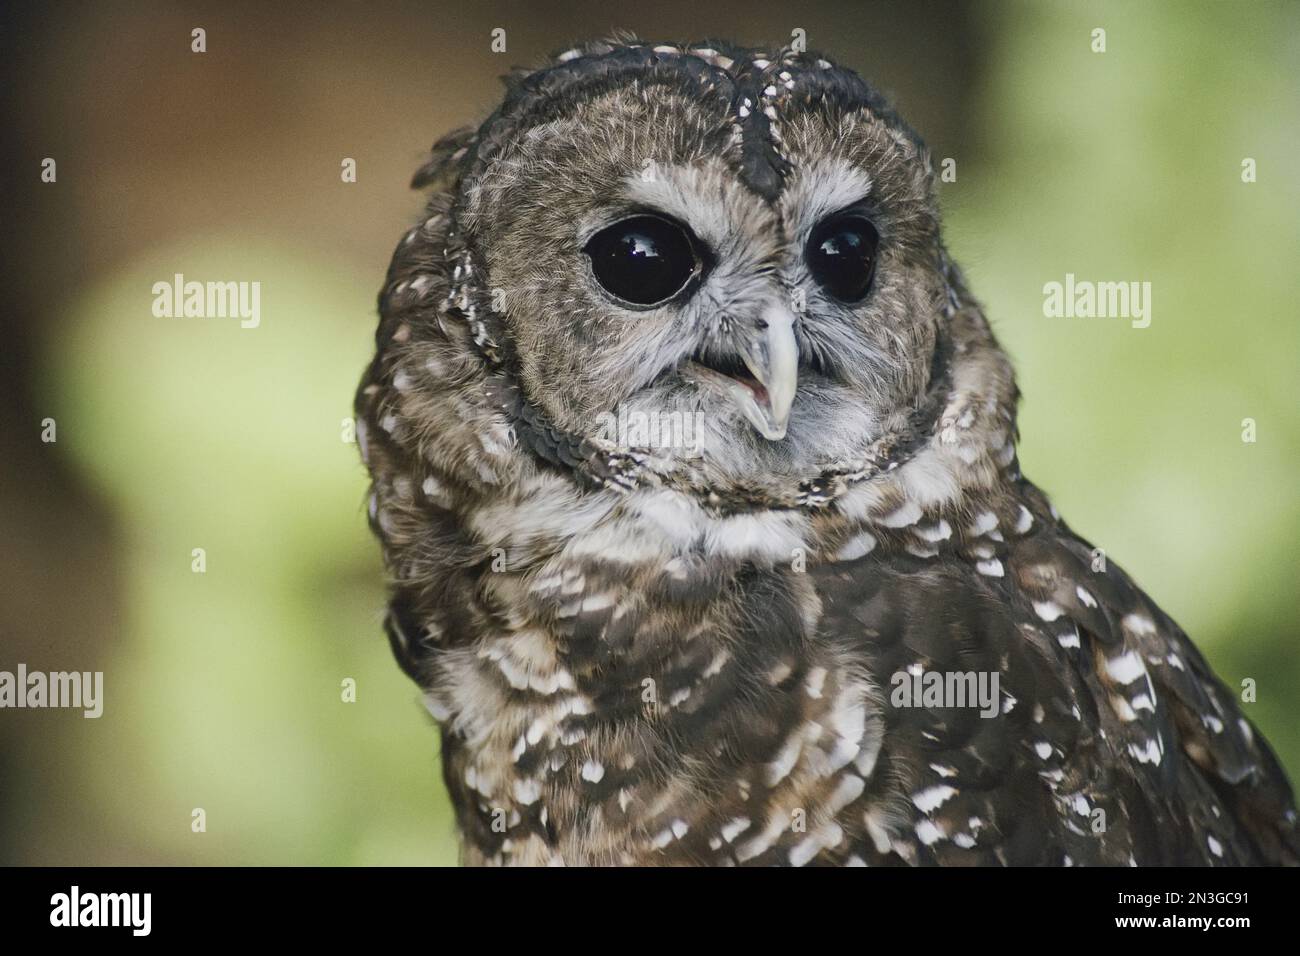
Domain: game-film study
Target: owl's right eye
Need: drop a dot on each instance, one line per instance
(643, 260)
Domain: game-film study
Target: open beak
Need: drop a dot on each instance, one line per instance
(770, 355)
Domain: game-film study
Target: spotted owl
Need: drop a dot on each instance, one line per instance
(694, 467)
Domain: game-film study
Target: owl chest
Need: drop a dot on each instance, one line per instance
(706, 722)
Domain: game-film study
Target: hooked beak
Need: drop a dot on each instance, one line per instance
(771, 356)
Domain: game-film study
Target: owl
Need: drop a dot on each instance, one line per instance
(694, 468)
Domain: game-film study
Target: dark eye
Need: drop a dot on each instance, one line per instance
(643, 260)
(842, 256)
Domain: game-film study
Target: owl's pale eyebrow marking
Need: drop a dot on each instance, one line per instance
(825, 187)
(678, 202)
(627, 209)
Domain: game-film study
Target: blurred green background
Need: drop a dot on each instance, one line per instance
(223, 688)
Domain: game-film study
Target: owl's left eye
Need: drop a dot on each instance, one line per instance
(643, 260)
(841, 254)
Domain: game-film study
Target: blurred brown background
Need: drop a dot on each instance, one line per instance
(222, 689)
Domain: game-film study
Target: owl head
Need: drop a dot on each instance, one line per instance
(717, 263)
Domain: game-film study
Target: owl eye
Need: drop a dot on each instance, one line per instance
(643, 260)
(841, 253)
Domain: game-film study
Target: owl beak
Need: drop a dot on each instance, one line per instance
(761, 376)
(772, 357)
